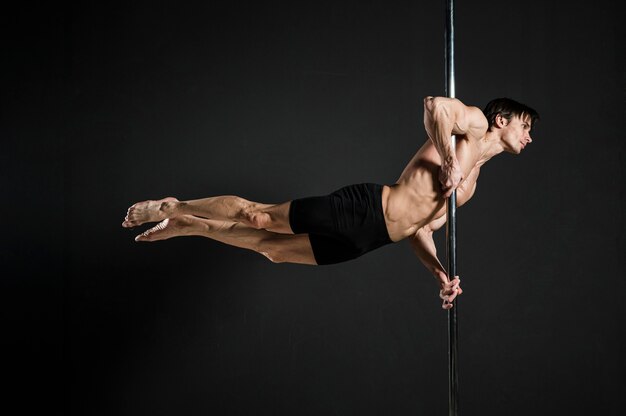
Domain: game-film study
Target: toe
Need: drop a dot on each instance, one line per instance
(145, 236)
(155, 233)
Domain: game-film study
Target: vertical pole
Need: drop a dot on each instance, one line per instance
(453, 381)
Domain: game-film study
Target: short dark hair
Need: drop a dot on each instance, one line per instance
(508, 108)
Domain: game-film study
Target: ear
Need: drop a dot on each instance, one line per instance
(501, 121)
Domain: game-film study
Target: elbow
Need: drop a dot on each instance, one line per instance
(437, 107)
(424, 232)
(430, 102)
(441, 109)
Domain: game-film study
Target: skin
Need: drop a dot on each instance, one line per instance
(414, 207)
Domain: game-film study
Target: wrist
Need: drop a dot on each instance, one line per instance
(436, 270)
(450, 159)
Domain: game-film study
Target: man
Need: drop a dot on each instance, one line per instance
(359, 218)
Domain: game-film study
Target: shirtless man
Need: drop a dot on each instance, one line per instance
(359, 218)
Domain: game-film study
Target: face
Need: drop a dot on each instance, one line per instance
(515, 133)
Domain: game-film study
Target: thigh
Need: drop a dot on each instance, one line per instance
(289, 248)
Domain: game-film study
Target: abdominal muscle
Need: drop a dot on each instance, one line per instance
(407, 209)
(416, 198)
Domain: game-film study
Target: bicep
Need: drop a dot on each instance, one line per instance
(453, 112)
(437, 223)
(475, 122)
(423, 238)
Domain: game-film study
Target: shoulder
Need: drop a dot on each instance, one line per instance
(476, 118)
(472, 122)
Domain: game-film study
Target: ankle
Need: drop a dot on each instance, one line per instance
(170, 208)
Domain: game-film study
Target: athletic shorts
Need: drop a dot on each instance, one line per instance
(343, 225)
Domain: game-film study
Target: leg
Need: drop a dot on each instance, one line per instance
(279, 248)
(220, 208)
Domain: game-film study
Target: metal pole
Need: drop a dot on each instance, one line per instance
(453, 380)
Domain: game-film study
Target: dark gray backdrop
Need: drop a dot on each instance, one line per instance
(104, 105)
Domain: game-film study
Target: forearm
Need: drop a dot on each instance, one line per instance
(424, 247)
(439, 121)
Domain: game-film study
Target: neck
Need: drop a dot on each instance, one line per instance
(490, 146)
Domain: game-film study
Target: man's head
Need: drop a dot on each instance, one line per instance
(514, 121)
(508, 108)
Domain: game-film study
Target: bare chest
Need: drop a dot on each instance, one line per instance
(427, 159)
(416, 198)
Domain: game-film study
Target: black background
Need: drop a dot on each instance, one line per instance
(103, 105)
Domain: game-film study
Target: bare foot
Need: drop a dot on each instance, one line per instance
(168, 228)
(148, 211)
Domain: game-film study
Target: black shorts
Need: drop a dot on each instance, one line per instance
(343, 225)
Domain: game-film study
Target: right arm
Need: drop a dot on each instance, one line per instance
(425, 249)
(443, 118)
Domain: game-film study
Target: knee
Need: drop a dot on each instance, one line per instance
(272, 252)
(254, 217)
(273, 257)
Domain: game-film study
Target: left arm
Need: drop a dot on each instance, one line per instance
(425, 249)
(424, 246)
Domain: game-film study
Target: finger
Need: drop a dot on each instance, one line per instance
(449, 192)
(447, 291)
(449, 297)
(449, 294)
(453, 296)
(452, 283)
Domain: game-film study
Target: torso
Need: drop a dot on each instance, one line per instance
(416, 198)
